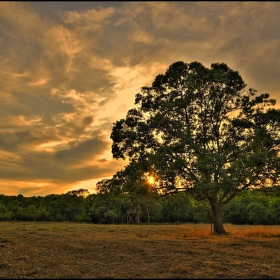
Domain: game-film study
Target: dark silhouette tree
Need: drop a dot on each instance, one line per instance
(200, 131)
(80, 192)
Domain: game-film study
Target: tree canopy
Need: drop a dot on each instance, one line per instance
(200, 130)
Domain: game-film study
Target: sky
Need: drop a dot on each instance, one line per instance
(70, 69)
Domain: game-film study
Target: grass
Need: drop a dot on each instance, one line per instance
(71, 250)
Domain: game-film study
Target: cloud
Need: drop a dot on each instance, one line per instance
(71, 69)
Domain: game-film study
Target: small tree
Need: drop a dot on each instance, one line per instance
(201, 132)
(132, 184)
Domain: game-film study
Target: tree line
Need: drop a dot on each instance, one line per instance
(250, 207)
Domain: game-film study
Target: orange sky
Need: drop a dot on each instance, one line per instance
(70, 69)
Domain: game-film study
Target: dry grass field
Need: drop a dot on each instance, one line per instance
(71, 250)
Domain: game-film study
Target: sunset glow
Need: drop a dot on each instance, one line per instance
(71, 69)
(151, 180)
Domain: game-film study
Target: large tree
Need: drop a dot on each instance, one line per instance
(201, 131)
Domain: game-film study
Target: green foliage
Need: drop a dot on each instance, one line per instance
(257, 213)
(274, 208)
(110, 216)
(3, 208)
(42, 214)
(236, 212)
(178, 208)
(5, 215)
(201, 212)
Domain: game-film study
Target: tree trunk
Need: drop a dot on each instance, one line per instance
(148, 214)
(218, 227)
(137, 215)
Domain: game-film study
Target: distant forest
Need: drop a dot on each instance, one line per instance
(250, 207)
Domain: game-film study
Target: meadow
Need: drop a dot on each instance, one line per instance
(56, 250)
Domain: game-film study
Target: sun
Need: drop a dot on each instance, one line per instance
(151, 180)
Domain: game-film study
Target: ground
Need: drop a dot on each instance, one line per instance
(73, 250)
